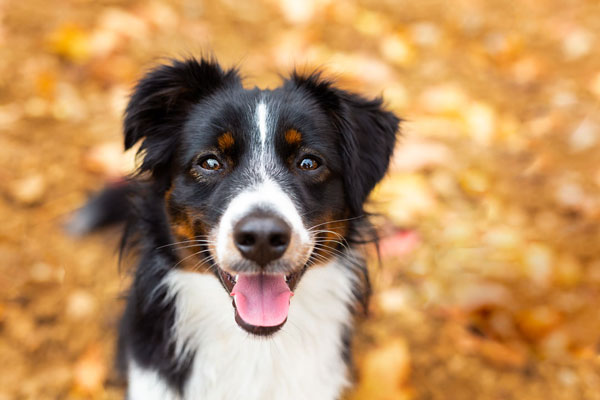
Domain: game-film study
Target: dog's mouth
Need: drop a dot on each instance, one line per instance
(261, 301)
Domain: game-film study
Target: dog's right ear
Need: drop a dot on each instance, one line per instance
(160, 105)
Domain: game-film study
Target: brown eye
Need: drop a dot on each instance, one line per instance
(210, 163)
(308, 164)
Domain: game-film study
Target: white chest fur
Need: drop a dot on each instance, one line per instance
(302, 361)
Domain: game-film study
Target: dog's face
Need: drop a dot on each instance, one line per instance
(260, 179)
(259, 184)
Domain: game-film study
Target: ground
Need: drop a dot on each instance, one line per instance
(489, 280)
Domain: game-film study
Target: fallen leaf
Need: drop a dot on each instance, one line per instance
(109, 160)
(90, 371)
(577, 43)
(426, 34)
(585, 136)
(480, 119)
(385, 372)
(537, 322)
(396, 49)
(474, 181)
(473, 296)
(80, 304)
(416, 155)
(595, 85)
(29, 190)
(399, 244)
(502, 354)
(447, 98)
(538, 260)
(71, 42)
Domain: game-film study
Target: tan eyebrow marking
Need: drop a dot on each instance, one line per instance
(293, 137)
(225, 141)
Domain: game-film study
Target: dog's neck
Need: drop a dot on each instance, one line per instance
(307, 359)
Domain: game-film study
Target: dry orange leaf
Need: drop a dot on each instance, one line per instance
(90, 370)
(71, 42)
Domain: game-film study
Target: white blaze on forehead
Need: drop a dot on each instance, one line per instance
(261, 119)
(262, 157)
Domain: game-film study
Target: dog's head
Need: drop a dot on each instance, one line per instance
(260, 183)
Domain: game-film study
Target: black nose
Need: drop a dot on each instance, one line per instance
(261, 238)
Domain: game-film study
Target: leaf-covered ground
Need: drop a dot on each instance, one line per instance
(489, 286)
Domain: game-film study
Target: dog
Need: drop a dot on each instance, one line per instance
(247, 216)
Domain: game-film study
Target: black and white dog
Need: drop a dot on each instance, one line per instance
(247, 222)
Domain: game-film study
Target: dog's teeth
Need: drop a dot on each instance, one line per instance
(236, 277)
(286, 278)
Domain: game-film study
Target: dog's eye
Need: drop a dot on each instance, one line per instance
(308, 164)
(210, 163)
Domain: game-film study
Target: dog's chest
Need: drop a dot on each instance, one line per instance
(302, 361)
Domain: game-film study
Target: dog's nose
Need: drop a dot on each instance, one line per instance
(261, 238)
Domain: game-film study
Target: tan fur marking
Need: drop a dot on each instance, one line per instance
(293, 137)
(168, 194)
(192, 257)
(181, 223)
(225, 141)
(183, 230)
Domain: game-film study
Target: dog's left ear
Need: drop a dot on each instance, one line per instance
(368, 134)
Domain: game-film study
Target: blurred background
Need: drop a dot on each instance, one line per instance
(490, 277)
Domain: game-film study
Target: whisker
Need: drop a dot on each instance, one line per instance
(318, 257)
(191, 255)
(324, 257)
(328, 231)
(186, 242)
(325, 240)
(336, 220)
(343, 242)
(339, 235)
(326, 247)
(208, 260)
(329, 249)
(192, 245)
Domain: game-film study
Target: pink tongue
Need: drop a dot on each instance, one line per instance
(262, 300)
